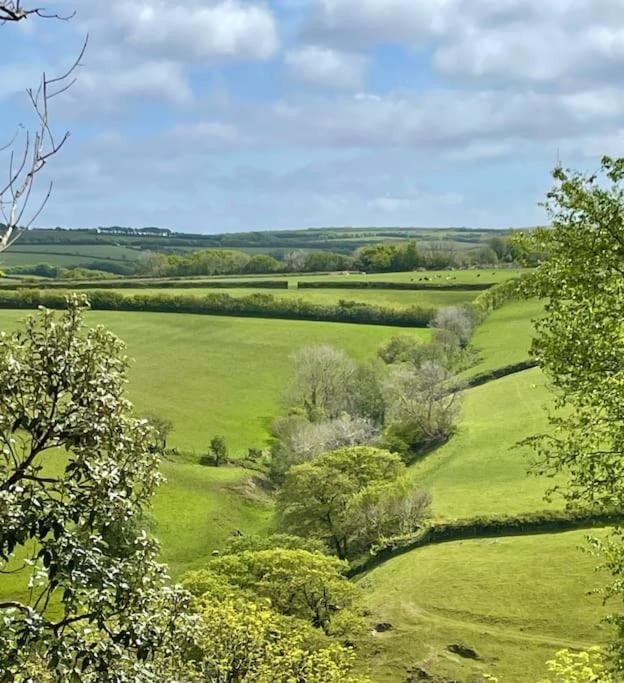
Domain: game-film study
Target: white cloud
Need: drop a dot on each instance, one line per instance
(198, 31)
(109, 86)
(324, 66)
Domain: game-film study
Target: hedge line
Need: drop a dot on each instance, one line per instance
(156, 284)
(488, 526)
(378, 284)
(254, 306)
(485, 377)
(500, 294)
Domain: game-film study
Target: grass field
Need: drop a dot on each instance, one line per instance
(514, 600)
(385, 297)
(477, 276)
(480, 471)
(220, 375)
(66, 254)
(505, 336)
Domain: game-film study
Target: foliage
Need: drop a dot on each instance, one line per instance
(456, 320)
(423, 405)
(239, 640)
(77, 471)
(579, 342)
(320, 381)
(261, 263)
(162, 427)
(300, 440)
(588, 666)
(255, 305)
(241, 543)
(324, 498)
(297, 583)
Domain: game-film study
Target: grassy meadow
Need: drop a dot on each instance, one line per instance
(220, 375)
(515, 600)
(480, 470)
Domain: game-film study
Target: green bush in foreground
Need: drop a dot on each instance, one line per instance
(76, 473)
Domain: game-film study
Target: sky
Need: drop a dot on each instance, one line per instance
(229, 115)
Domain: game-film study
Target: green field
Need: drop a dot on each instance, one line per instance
(480, 471)
(220, 375)
(66, 254)
(514, 600)
(505, 336)
(481, 276)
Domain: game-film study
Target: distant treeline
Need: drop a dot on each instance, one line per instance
(253, 306)
(381, 257)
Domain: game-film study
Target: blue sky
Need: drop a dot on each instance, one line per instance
(227, 115)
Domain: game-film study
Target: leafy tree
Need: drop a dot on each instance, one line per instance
(300, 440)
(162, 428)
(218, 450)
(261, 263)
(455, 319)
(320, 261)
(320, 384)
(77, 471)
(589, 666)
(580, 345)
(422, 404)
(297, 583)
(239, 640)
(318, 498)
(243, 543)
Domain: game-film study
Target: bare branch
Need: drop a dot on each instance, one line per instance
(38, 147)
(14, 11)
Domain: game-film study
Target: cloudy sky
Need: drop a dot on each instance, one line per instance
(220, 115)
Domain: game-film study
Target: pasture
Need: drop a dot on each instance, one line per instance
(481, 470)
(220, 375)
(514, 600)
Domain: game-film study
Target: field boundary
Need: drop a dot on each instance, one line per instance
(258, 305)
(529, 524)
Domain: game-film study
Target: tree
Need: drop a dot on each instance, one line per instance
(317, 499)
(162, 428)
(580, 346)
(261, 263)
(29, 152)
(240, 641)
(310, 586)
(77, 472)
(320, 385)
(300, 440)
(455, 319)
(423, 404)
(218, 450)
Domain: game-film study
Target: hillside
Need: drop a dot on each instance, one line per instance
(513, 599)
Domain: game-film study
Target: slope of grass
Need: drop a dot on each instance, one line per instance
(515, 601)
(199, 507)
(219, 375)
(505, 336)
(480, 471)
